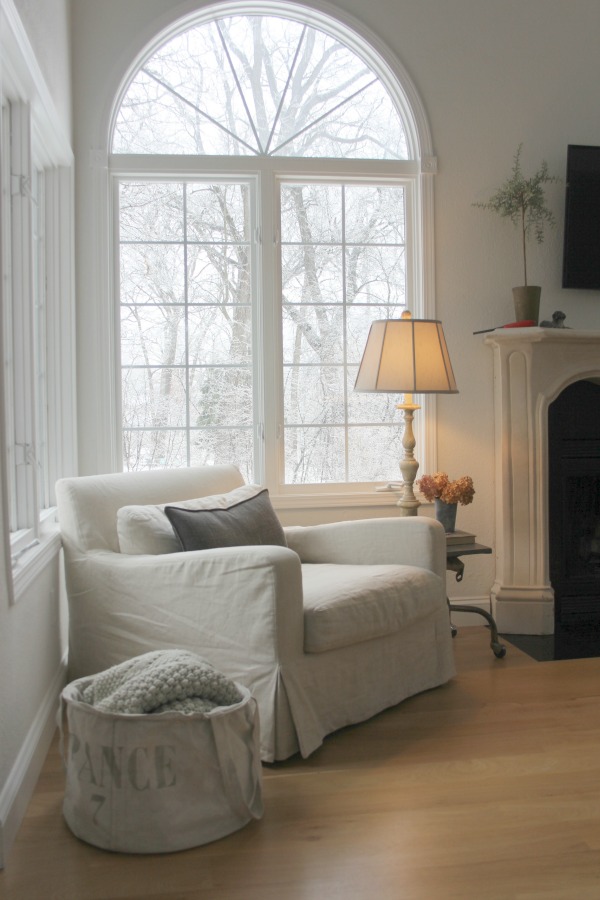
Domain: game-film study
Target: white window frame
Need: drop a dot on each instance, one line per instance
(38, 329)
(420, 169)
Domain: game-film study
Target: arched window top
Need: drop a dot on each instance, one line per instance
(259, 85)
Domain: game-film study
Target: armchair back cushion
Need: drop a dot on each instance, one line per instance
(89, 504)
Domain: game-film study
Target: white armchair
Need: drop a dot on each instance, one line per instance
(348, 619)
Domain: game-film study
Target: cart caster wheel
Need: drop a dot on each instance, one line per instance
(499, 650)
(453, 631)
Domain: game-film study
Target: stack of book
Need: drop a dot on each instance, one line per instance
(459, 537)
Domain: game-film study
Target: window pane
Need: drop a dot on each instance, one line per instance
(153, 335)
(258, 85)
(154, 398)
(315, 455)
(374, 454)
(312, 334)
(147, 449)
(313, 394)
(311, 213)
(342, 243)
(151, 211)
(186, 317)
(220, 396)
(217, 213)
(219, 335)
(213, 445)
(152, 273)
(312, 274)
(365, 126)
(374, 214)
(218, 273)
(376, 275)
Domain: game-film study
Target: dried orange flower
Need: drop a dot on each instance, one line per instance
(439, 485)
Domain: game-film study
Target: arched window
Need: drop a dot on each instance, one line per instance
(280, 211)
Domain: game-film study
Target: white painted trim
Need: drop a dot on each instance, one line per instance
(23, 79)
(60, 326)
(33, 562)
(21, 781)
(322, 500)
(524, 610)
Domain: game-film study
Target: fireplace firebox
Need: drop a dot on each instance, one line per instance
(574, 504)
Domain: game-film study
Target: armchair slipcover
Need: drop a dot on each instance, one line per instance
(348, 619)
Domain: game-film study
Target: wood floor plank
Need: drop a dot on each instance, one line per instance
(485, 789)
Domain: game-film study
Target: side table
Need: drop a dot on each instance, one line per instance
(454, 563)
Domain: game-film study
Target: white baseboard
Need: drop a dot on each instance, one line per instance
(523, 610)
(461, 619)
(19, 786)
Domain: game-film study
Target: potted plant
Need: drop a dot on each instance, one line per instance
(523, 201)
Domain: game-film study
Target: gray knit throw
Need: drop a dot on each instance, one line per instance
(161, 681)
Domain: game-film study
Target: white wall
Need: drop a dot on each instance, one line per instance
(32, 635)
(490, 75)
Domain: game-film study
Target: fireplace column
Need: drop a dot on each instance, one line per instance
(531, 367)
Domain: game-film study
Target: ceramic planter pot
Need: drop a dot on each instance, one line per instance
(527, 303)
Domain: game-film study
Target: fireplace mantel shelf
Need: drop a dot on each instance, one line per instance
(536, 335)
(532, 366)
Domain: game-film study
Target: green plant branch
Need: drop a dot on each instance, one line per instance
(522, 200)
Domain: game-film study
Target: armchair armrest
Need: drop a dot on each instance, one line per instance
(230, 604)
(415, 541)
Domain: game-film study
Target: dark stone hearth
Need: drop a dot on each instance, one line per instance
(569, 644)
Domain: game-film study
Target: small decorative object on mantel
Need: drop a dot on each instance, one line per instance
(446, 495)
(558, 321)
(522, 200)
(526, 323)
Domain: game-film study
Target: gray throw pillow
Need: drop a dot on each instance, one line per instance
(247, 523)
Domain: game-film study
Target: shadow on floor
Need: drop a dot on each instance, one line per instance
(579, 642)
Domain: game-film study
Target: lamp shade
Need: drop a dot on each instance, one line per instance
(406, 356)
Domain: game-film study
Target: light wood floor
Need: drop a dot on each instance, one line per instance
(485, 789)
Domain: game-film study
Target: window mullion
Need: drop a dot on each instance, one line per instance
(267, 354)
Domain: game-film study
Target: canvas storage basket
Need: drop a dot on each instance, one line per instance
(156, 783)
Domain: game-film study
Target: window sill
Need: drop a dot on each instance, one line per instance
(374, 499)
(32, 563)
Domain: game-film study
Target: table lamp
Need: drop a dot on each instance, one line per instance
(406, 356)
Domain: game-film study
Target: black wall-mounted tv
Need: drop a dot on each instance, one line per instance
(581, 252)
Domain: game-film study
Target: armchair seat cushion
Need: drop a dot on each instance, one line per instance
(347, 604)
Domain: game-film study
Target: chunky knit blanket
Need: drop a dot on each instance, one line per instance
(161, 681)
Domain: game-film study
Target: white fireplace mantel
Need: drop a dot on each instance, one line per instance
(532, 366)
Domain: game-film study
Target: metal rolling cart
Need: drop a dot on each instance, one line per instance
(456, 549)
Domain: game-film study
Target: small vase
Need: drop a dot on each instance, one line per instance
(446, 514)
(527, 303)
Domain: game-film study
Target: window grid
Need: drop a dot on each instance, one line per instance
(186, 435)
